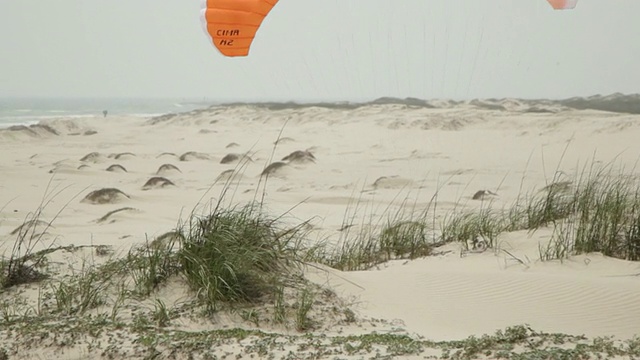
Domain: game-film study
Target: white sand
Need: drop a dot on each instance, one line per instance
(457, 150)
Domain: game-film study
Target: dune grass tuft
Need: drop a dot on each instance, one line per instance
(237, 254)
(29, 253)
(605, 217)
(406, 233)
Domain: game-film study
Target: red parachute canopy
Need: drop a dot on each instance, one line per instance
(232, 24)
(563, 4)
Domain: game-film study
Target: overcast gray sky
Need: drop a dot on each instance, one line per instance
(322, 49)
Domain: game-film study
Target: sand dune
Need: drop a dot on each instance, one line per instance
(350, 161)
(616, 102)
(449, 303)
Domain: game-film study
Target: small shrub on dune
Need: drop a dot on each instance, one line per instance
(283, 140)
(483, 195)
(46, 128)
(113, 212)
(300, 156)
(157, 182)
(392, 182)
(105, 196)
(30, 224)
(274, 168)
(167, 168)
(226, 175)
(20, 128)
(193, 155)
(91, 157)
(124, 155)
(234, 158)
(116, 168)
(167, 154)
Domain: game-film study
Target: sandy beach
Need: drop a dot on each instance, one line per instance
(343, 171)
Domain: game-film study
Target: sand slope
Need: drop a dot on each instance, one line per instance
(364, 160)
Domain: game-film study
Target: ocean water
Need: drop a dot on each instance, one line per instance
(27, 111)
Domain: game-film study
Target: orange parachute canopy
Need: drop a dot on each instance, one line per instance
(563, 4)
(232, 24)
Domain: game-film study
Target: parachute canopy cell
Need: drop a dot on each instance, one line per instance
(231, 25)
(563, 4)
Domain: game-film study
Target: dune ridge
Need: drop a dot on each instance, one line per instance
(342, 172)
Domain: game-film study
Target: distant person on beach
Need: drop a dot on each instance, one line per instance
(104, 112)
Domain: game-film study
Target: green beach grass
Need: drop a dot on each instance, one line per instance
(244, 269)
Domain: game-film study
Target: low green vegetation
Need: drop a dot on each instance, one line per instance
(239, 262)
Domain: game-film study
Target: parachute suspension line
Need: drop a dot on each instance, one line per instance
(246, 76)
(408, 75)
(356, 80)
(346, 61)
(446, 49)
(379, 67)
(343, 83)
(346, 83)
(389, 72)
(248, 80)
(424, 54)
(393, 75)
(309, 71)
(517, 58)
(475, 58)
(433, 59)
(528, 47)
(287, 86)
(374, 65)
(308, 82)
(462, 53)
(353, 53)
